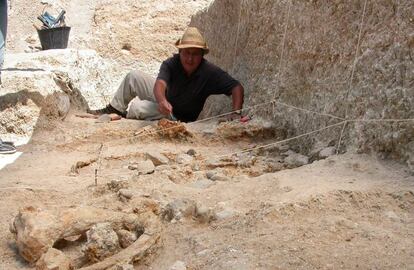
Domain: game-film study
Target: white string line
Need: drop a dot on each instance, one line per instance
(153, 132)
(283, 44)
(352, 76)
(309, 111)
(237, 34)
(282, 141)
(381, 120)
(333, 125)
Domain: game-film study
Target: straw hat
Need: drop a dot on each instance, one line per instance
(192, 38)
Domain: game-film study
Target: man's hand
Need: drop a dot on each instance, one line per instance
(165, 107)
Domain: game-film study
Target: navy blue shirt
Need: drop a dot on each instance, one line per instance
(187, 94)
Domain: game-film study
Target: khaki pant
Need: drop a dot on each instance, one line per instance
(136, 97)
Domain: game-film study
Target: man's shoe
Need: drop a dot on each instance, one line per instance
(7, 149)
(107, 110)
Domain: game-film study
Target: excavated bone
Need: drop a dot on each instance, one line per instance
(37, 230)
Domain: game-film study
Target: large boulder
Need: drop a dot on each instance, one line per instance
(45, 85)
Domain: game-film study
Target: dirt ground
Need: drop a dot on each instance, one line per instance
(347, 211)
(351, 211)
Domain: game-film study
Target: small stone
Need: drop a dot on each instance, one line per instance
(202, 183)
(178, 265)
(227, 213)
(116, 185)
(296, 160)
(133, 167)
(54, 259)
(102, 242)
(327, 152)
(191, 152)
(126, 193)
(217, 176)
(204, 214)
(177, 209)
(157, 158)
(145, 167)
(184, 159)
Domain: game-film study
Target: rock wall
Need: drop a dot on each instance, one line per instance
(315, 55)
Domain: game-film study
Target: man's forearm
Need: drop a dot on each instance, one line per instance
(159, 90)
(237, 95)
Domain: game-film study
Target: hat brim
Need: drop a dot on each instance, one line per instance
(189, 45)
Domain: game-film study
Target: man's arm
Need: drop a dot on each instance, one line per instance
(237, 95)
(159, 92)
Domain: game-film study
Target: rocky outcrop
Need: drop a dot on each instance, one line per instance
(37, 230)
(45, 85)
(307, 54)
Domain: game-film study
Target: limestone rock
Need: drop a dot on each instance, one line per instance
(36, 231)
(54, 259)
(327, 152)
(157, 158)
(216, 175)
(202, 183)
(126, 193)
(204, 214)
(126, 238)
(178, 208)
(143, 167)
(296, 160)
(184, 159)
(102, 242)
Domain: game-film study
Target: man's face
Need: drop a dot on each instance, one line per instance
(191, 59)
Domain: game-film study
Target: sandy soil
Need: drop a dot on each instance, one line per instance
(348, 211)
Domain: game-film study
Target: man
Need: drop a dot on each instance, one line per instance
(5, 147)
(181, 88)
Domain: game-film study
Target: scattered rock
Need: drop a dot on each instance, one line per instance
(178, 265)
(54, 259)
(202, 183)
(224, 214)
(184, 159)
(157, 158)
(116, 185)
(102, 242)
(327, 152)
(296, 160)
(143, 167)
(177, 209)
(216, 175)
(126, 193)
(218, 163)
(204, 214)
(191, 152)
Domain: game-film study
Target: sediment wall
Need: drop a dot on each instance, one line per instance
(352, 59)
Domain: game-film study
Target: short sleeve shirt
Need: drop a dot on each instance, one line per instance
(187, 94)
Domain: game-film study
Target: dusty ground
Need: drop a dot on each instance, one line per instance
(348, 211)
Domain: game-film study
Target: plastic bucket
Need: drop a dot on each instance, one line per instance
(54, 38)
